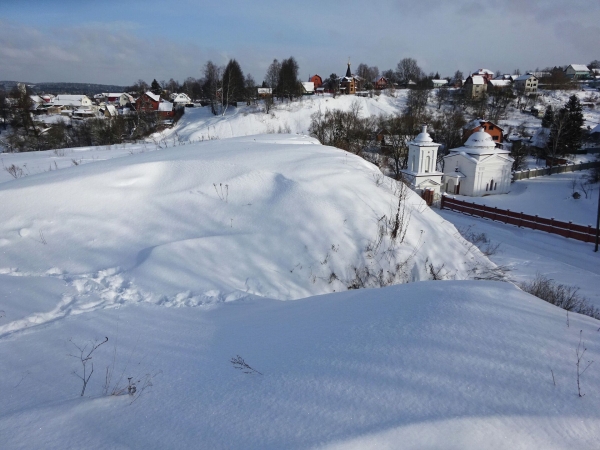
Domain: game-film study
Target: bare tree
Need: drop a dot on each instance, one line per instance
(398, 131)
(441, 96)
(272, 76)
(212, 85)
(408, 69)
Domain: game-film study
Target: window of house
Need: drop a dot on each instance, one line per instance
(495, 138)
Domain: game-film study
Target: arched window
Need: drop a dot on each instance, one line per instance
(427, 164)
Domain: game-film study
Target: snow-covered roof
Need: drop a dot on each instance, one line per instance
(423, 139)
(308, 86)
(262, 90)
(115, 94)
(483, 72)
(579, 67)
(153, 96)
(500, 83)
(70, 100)
(479, 143)
(477, 79)
(525, 77)
(165, 106)
(439, 81)
(180, 98)
(112, 111)
(596, 129)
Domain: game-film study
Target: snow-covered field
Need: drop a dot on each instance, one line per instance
(183, 255)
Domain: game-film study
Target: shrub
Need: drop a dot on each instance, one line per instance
(565, 297)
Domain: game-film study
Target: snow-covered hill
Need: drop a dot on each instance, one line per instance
(277, 216)
(199, 124)
(181, 256)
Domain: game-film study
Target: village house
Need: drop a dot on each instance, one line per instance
(150, 102)
(526, 84)
(498, 84)
(439, 83)
(72, 102)
(475, 87)
(147, 102)
(119, 99)
(381, 83)
(486, 74)
(490, 128)
(316, 80)
(421, 173)
(577, 71)
(264, 92)
(180, 99)
(478, 168)
(308, 88)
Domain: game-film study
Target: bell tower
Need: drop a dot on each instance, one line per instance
(421, 169)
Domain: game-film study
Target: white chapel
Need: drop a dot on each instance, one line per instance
(421, 173)
(478, 168)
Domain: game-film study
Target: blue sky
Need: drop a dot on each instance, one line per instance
(122, 41)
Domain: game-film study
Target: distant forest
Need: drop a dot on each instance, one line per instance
(64, 88)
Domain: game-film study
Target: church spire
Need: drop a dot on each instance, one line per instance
(348, 71)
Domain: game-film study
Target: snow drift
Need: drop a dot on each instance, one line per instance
(445, 365)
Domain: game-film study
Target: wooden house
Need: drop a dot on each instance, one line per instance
(490, 128)
(316, 80)
(380, 83)
(147, 102)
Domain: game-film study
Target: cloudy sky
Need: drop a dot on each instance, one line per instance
(121, 41)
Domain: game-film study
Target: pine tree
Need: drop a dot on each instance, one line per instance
(155, 87)
(233, 82)
(288, 85)
(573, 135)
(565, 132)
(548, 117)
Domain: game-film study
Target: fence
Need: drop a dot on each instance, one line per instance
(566, 229)
(562, 168)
